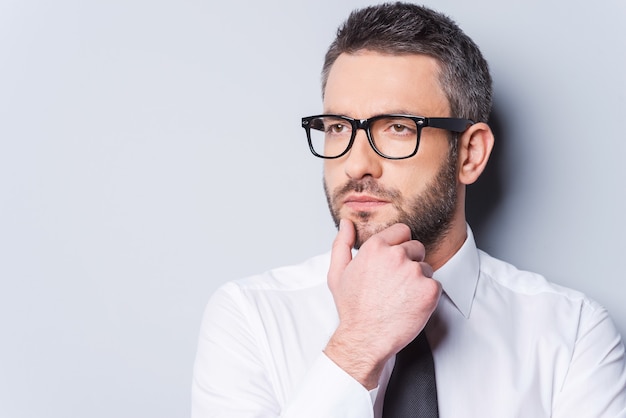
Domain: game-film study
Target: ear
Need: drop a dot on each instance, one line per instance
(475, 145)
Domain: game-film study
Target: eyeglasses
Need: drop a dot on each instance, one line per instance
(395, 137)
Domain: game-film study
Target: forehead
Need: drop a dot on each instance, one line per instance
(368, 83)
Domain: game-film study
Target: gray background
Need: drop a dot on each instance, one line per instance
(151, 150)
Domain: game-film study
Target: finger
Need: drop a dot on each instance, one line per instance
(427, 269)
(414, 250)
(341, 253)
(395, 234)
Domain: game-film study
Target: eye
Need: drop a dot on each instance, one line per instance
(337, 128)
(399, 128)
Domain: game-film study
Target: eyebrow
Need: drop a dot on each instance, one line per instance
(396, 111)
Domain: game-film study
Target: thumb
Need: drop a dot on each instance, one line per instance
(341, 254)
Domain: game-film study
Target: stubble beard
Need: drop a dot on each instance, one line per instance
(428, 215)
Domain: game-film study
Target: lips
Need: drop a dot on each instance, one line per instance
(363, 202)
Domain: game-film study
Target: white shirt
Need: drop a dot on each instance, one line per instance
(505, 342)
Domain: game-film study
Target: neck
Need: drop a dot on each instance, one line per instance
(450, 243)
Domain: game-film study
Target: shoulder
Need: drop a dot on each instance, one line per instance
(306, 274)
(530, 286)
(280, 282)
(552, 309)
(264, 308)
(576, 344)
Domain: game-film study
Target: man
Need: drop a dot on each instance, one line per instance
(406, 99)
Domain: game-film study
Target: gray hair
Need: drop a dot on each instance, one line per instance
(402, 28)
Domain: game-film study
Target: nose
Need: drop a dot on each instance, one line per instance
(362, 161)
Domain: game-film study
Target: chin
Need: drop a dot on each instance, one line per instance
(364, 230)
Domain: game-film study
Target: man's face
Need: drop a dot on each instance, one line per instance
(374, 192)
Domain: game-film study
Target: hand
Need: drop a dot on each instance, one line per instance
(384, 297)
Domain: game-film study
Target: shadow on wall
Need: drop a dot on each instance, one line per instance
(486, 194)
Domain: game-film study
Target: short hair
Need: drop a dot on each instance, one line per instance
(402, 28)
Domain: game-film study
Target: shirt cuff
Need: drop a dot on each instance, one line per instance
(328, 391)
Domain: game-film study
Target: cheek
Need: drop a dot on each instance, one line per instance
(411, 180)
(421, 170)
(412, 183)
(332, 174)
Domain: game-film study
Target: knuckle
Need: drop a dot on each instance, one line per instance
(405, 228)
(375, 242)
(434, 287)
(397, 254)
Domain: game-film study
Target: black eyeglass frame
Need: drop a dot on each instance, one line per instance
(457, 125)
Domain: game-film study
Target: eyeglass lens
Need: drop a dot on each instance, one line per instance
(395, 137)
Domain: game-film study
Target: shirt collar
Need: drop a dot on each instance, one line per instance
(459, 275)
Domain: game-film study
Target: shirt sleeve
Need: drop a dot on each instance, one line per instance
(231, 378)
(345, 397)
(595, 385)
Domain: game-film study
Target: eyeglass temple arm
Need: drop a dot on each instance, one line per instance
(450, 124)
